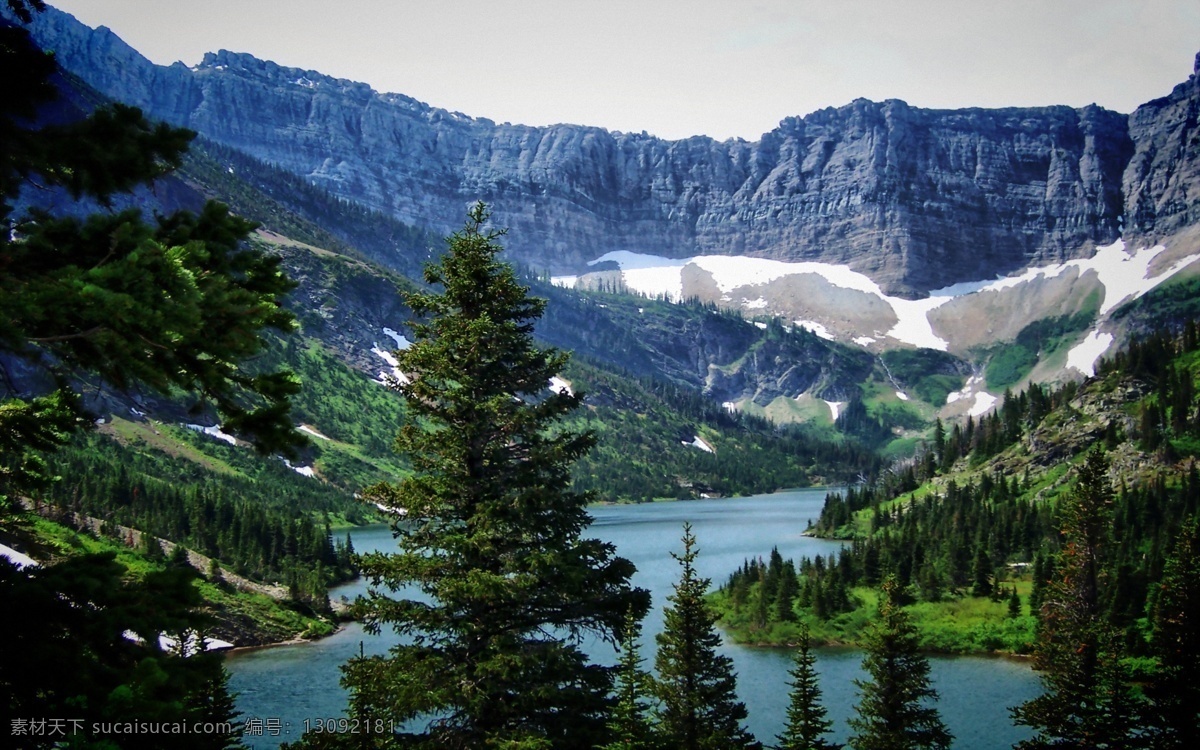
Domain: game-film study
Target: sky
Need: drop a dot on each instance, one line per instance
(723, 68)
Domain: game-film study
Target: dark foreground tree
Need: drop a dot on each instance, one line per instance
(1175, 638)
(492, 538)
(1088, 701)
(806, 723)
(171, 305)
(696, 686)
(895, 711)
(70, 656)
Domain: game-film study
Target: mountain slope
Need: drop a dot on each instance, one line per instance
(916, 199)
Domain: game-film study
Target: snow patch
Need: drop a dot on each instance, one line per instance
(557, 384)
(388, 357)
(193, 643)
(902, 395)
(1083, 355)
(654, 275)
(136, 412)
(835, 408)
(312, 431)
(816, 328)
(19, 559)
(302, 470)
(760, 325)
(729, 405)
(698, 442)
(1123, 273)
(650, 275)
(213, 431)
(401, 342)
(755, 304)
(984, 401)
(967, 389)
(564, 281)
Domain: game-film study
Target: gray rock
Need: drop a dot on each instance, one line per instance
(917, 199)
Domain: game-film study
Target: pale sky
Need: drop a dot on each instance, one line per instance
(675, 69)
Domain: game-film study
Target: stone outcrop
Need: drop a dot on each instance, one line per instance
(917, 199)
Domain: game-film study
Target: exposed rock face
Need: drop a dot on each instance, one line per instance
(917, 199)
(1162, 181)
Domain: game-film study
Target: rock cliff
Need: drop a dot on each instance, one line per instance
(917, 199)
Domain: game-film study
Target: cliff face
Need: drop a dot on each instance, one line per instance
(917, 199)
(1162, 179)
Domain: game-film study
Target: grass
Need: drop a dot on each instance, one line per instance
(271, 620)
(166, 439)
(956, 625)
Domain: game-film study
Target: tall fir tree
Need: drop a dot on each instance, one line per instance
(895, 710)
(1088, 701)
(1175, 638)
(630, 718)
(492, 537)
(696, 686)
(172, 305)
(806, 723)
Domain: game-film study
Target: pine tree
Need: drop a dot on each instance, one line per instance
(1088, 701)
(806, 722)
(982, 572)
(172, 305)
(1175, 638)
(629, 722)
(893, 712)
(492, 536)
(696, 686)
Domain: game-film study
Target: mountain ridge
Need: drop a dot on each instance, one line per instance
(917, 199)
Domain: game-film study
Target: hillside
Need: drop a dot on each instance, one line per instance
(970, 526)
(1009, 238)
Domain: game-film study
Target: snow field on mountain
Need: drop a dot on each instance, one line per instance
(1123, 274)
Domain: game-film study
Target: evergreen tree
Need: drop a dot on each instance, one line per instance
(1014, 603)
(492, 533)
(1175, 690)
(696, 686)
(1088, 701)
(806, 722)
(982, 572)
(630, 723)
(893, 712)
(173, 305)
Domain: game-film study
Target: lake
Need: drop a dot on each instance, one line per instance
(299, 682)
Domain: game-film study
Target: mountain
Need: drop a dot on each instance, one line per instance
(916, 199)
(1009, 238)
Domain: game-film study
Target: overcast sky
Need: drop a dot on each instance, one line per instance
(721, 68)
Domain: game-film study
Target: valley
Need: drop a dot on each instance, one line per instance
(897, 365)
